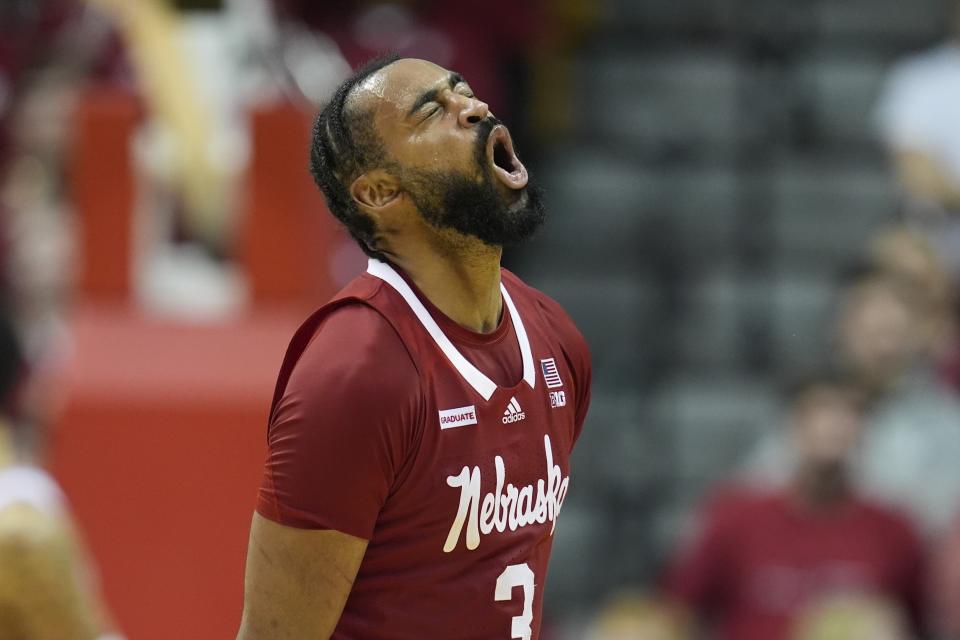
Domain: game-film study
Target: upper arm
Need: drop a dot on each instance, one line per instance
(42, 578)
(338, 441)
(342, 430)
(297, 581)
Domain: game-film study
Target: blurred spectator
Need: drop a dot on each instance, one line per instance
(33, 34)
(851, 619)
(203, 68)
(47, 588)
(190, 150)
(635, 616)
(282, 55)
(909, 257)
(762, 557)
(38, 224)
(46, 46)
(917, 118)
(879, 335)
(912, 440)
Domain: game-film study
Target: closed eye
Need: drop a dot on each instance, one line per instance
(433, 108)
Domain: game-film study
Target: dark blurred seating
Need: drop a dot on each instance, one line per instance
(721, 161)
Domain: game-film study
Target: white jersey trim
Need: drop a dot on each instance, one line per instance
(529, 375)
(474, 377)
(32, 486)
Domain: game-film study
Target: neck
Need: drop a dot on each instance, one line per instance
(821, 488)
(462, 281)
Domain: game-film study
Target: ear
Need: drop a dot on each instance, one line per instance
(375, 191)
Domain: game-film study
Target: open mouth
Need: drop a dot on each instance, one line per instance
(503, 160)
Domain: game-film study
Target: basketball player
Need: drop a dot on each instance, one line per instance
(423, 420)
(46, 587)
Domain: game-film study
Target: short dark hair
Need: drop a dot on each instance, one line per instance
(13, 365)
(343, 145)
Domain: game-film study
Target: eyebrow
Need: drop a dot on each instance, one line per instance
(431, 94)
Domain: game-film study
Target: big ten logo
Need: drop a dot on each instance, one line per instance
(558, 399)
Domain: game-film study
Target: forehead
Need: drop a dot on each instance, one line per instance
(392, 90)
(826, 394)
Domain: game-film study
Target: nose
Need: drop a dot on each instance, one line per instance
(472, 111)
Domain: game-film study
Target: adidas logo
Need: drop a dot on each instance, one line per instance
(513, 413)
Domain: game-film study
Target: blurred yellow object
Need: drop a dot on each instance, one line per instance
(150, 29)
(47, 585)
(851, 618)
(631, 615)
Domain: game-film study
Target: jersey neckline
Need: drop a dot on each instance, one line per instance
(473, 376)
(459, 334)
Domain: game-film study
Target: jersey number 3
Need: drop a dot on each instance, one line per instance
(518, 575)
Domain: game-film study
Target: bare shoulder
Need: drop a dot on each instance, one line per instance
(42, 575)
(24, 527)
(30, 540)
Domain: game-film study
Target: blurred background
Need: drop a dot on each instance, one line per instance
(755, 221)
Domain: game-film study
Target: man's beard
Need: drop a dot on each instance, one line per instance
(457, 201)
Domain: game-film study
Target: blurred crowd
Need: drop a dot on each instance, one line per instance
(843, 522)
(196, 70)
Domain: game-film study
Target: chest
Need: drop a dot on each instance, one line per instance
(782, 564)
(488, 468)
(490, 472)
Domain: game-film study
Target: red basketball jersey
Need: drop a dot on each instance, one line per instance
(474, 474)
